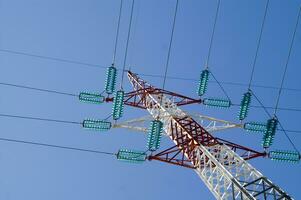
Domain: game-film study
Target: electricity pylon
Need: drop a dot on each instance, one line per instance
(222, 165)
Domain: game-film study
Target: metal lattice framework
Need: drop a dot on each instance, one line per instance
(211, 124)
(134, 98)
(219, 163)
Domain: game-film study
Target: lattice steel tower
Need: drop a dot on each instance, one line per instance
(222, 165)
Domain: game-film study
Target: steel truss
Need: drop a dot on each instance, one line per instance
(220, 164)
(209, 123)
(134, 98)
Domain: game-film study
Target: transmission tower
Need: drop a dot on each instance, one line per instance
(221, 165)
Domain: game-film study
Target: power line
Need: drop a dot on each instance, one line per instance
(289, 139)
(289, 130)
(56, 146)
(223, 82)
(258, 44)
(117, 32)
(76, 95)
(287, 61)
(259, 86)
(133, 33)
(142, 74)
(168, 52)
(270, 107)
(170, 45)
(285, 131)
(39, 119)
(38, 89)
(80, 123)
(52, 58)
(212, 34)
(209, 50)
(220, 85)
(127, 42)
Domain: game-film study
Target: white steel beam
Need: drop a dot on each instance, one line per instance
(211, 124)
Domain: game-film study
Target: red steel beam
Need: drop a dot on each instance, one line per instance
(199, 135)
(136, 98)
(132, 98)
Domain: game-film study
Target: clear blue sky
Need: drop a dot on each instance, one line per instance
(84, 31)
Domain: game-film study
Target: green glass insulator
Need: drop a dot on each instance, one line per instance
(154, 135)
(244, 106)
(118, 105)
(269, 134)
(267, 140)
(203, 83)
(132, 156)
(99, 125)
(287, 156)
(91, 98)
(215, 102)
(255, 126)
(111, 80)
(272, 126)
